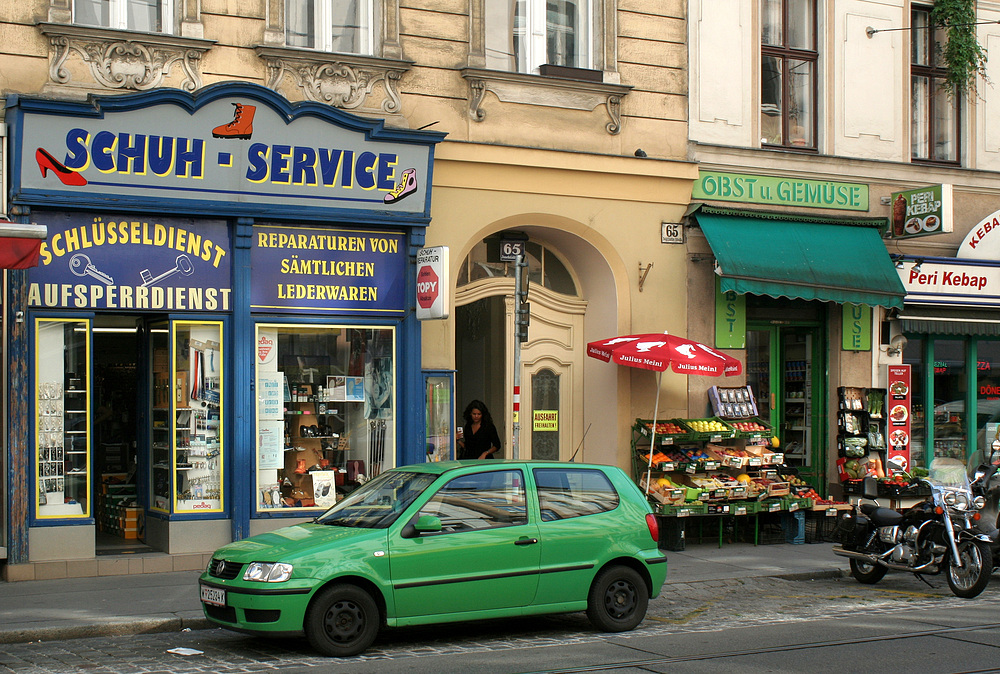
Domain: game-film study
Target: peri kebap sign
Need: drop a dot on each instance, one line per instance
(921, 212)
(131, 263)
(898, 405)
(238, 145)
(299, 269)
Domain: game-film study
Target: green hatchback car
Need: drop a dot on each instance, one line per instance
(446, 542)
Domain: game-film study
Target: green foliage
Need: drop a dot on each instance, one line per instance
(964, 58)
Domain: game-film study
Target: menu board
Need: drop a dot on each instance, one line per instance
(898, 407)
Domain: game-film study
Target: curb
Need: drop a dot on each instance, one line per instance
(111, 628)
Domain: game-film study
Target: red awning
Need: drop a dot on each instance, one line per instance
(20, 244)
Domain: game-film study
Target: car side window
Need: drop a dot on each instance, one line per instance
(564, 493)
(480, 501)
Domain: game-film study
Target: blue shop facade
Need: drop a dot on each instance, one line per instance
(220, 337)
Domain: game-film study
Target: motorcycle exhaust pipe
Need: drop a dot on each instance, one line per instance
(876, 559)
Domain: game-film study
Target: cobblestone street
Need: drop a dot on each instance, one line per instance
(705, 606)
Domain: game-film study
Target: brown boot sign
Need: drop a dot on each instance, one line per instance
(241, 126)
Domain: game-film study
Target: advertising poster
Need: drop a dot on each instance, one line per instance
(270, 396)
(898, 404)
(270, 441)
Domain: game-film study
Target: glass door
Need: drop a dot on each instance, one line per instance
(785, 373)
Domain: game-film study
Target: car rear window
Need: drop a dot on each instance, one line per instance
(573, 492)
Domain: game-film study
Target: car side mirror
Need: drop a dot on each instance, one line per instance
(869, 487)
(427, 524)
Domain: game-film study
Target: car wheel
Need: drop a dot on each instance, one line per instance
(342, 620)
(618, 600)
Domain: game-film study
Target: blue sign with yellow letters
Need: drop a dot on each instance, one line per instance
(296, 269)
(132, 263)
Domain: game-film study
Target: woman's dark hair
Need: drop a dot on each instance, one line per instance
(481, 406)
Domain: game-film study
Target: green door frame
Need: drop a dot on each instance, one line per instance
(818, 383)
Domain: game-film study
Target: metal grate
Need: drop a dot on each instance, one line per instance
(220, 568)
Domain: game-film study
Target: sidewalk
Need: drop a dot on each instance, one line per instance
(50, 610)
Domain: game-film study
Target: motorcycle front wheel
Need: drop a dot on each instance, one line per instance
(866, 573)
(970, 579)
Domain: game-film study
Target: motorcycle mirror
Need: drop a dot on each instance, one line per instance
(869, 487)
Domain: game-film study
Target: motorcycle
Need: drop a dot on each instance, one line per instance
(986, 483)
(937, 535)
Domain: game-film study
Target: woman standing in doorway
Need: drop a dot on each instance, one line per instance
(480, 439)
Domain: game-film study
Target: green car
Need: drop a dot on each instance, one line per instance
(446, 542)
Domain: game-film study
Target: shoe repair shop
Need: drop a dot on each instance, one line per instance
(221, 328)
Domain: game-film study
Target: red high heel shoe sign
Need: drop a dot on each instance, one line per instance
(240, 145)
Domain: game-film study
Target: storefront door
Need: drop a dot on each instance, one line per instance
(785, 370)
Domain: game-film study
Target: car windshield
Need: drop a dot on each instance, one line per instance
(377, 503)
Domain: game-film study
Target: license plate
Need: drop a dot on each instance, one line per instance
(213, 595)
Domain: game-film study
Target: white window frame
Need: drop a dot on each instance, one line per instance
(323, 20)
(118, 15)
(500, 30)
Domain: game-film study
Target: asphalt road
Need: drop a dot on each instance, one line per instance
(738, 625)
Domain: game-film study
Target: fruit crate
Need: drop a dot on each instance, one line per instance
(761, 430)
(821, 527)
(644, 427)
(723, 431)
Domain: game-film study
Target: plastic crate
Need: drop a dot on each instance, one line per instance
(821, 527)
(726, 432)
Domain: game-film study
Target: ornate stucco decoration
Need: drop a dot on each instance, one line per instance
(341, 80)
(126, 60)
(556, 92)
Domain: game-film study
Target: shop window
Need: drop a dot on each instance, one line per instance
(149, 16)
(325, 412)
(788, 73)
(187, 427)
(344, 26)
(62, 418)
(439, 393)
(564, 493)
(987, 399)
(525, 35)
(544, 267)
(950, 377)
(935, 123)
(480, 501)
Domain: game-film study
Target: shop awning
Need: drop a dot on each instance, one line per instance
(20, 244)
(802, 259)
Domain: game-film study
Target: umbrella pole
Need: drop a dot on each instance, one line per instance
(652, 441)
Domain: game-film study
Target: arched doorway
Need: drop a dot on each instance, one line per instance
(551, 367)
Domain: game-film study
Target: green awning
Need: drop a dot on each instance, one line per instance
(802, 260)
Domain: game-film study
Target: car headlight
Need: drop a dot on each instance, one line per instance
(268, 572)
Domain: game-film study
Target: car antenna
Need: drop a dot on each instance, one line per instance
(581, 443)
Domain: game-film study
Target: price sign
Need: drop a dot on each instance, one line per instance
(510, 249)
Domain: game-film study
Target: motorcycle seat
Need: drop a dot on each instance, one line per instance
(881, 517)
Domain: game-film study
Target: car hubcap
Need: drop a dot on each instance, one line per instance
(344, 621)
(620, 599)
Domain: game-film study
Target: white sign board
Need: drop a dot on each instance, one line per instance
(433, 283)
(941, 282)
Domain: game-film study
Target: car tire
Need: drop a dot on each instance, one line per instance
(618, 599)
(342, 620)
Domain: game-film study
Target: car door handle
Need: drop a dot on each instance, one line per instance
(526, 541)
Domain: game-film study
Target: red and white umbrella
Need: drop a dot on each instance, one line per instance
(657, 352)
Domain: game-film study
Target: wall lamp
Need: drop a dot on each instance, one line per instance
(896, 346)
(918, 265)
(897, 259)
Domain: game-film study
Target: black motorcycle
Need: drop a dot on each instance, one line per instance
(986, 484)
(937, 535)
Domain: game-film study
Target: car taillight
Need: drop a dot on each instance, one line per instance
(654, 527)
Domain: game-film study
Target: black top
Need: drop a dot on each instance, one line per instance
(477, 443)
